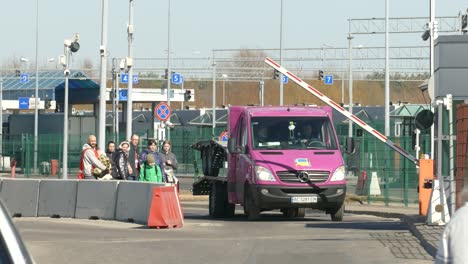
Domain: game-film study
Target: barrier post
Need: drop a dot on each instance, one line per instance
(426, 176)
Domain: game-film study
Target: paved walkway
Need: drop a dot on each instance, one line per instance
(428, 235)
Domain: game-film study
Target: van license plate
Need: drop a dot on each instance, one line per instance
(304, 199)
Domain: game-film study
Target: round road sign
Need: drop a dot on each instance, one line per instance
(224, 136)
(162, 111)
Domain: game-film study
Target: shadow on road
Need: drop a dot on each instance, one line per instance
(264, 217)
(382, 225)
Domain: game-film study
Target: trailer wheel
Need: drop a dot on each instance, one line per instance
(212, 170)
(288, 212)
(252, 210)
(216, 200)
(229, 209)
(338, 213)
(300, 212)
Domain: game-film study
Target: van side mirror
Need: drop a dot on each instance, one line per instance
(232, 145)
(242, 150)
(350, 147)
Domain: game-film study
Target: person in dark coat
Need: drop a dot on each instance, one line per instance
(169, 161)
(133, 158)
(120, 170)
(110, 151)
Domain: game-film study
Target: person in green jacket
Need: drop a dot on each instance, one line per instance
(149, 172)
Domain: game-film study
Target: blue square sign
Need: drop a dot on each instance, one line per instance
(285, 79)
(24, 78)
(124, 78)
(176, 78)
(328, 79)
(23, 102)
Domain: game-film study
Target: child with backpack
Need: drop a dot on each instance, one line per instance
(149, 172)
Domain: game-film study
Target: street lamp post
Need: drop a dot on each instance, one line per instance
(169, 71)
(69, 47)
(213, 117)
(36, 93)
(350, 83)
(129, 62)
(281, 53)
(103, 86)
(224, 87)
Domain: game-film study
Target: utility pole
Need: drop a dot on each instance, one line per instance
(129, 62)
(103, 87)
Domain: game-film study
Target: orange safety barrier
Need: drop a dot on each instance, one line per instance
(165, 210)
(426, 175)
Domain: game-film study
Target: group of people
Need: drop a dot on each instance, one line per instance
(127, 163)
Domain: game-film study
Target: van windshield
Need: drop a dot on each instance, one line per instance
(302, 132)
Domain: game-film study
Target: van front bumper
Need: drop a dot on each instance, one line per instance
(269, 197)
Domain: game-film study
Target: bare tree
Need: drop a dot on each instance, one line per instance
(244, 64)
(87, 67)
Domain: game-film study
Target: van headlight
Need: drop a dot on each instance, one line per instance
(338, 174)
(263, 174)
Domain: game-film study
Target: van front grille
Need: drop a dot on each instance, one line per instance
(293, 176)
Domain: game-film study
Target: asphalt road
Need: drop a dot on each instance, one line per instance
(273, 239)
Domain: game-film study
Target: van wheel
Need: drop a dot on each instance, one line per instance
(252, 210)
(337, 214)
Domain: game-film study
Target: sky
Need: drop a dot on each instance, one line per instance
(197, 27)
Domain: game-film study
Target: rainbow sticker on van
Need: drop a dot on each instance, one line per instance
(302, 162)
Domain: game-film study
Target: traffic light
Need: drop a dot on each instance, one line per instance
(187, 95)
(166, 73)
(47, 103)
(276, 74)
(320, 74)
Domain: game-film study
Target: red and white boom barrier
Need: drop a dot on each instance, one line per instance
(340, 109)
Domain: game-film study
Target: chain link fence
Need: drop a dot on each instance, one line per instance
(375, 172)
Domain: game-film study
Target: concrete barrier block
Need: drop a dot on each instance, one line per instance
(57, 198)
(20, 196)
(134, 201)
(96, 199)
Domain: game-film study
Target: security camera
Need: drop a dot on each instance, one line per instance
(66, 72)
(129, 62)
(424, 85)
(426, 35)
(67, 43)
(122, 64)
(102, 50)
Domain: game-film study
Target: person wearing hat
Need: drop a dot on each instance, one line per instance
(149, 172)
